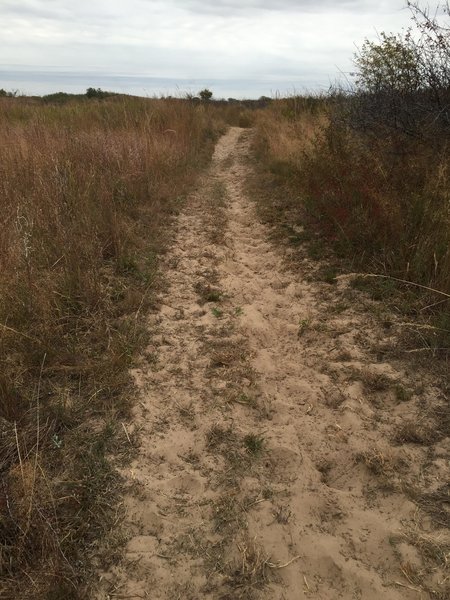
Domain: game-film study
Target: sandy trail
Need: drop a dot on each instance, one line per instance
(249, 481)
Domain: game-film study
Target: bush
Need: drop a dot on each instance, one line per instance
(205, 95)
(98, 93)
(403, 83)
(371, 164)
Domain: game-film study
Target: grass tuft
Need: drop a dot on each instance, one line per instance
(254, 444)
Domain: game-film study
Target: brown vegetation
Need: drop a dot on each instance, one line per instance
(380, 201)
(378, 205)
(87, 190)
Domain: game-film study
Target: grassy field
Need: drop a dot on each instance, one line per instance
(88, 189)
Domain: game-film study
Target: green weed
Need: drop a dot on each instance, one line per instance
(254, 444)
(217, 312)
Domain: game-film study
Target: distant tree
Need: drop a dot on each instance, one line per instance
(97, 93)
(264, 101)
(205, 95)
(59, 97)
(5, 94)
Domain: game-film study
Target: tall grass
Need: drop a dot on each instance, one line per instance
(380, 198)
(86, 190)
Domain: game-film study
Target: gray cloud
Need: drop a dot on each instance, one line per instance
(283, 41)
(236, 6)
(100, 9)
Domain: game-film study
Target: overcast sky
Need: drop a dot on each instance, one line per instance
(239, 47)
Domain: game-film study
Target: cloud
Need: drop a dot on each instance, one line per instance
(233, 7)
(67, 10)
(283, 41)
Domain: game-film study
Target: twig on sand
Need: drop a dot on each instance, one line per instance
(126, 433)
(408, 587)
(274, 566)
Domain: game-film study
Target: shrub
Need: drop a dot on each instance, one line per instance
(97, 93)
(369, 167)
(205, 95)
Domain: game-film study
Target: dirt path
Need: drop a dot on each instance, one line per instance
(265, 468)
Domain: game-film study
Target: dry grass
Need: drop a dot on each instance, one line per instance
(417, 431)
(229, 513)
(383, 463)
(371, 207)
(249, 571)
(219, 438)
(87, 192)
(380, 203)
(288, 130)
(436, 504)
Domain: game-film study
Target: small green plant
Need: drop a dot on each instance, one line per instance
(238, 311)
(303, 326)
(213, 296)
(57, 441)
(217, 312)
(402, 394)
(254, 443)
(246, 400)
